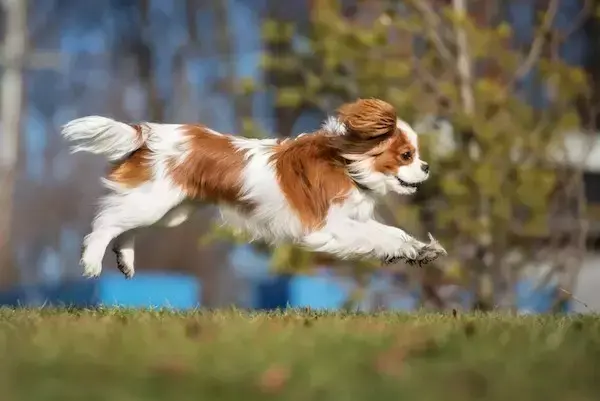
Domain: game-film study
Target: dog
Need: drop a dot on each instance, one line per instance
(317, 190)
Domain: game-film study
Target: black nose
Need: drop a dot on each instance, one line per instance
(425, 167)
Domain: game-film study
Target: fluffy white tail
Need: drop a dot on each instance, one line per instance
(103, 136)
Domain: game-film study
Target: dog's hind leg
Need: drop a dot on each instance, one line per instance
(123, 246)
(121, 212)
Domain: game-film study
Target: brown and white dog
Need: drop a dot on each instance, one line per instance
(317, 190)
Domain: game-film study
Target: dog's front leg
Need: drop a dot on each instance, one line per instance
(346, 238)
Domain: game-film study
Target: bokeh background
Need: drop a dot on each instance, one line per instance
(505, 95)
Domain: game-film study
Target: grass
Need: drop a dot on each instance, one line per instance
(124, 355)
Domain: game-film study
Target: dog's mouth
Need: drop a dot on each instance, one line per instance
(408, 184)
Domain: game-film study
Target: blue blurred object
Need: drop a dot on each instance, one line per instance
(78, 293)
(536, 300)
(146, 290)
(324, 290)
(272, 293)
(154, 290)
(319, 292)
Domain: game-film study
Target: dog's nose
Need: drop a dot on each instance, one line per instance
(425, 167)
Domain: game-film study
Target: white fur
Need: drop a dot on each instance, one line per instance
(273, 219)
(124, 210)
(124, 245)
(349, 229)
(413, 173)
(101, 135)
(334, 126)
(409, 131)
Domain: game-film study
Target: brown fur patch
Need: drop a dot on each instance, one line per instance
(312, 176)
(312, 172)
(387, 152)
(139, 133)
(212, 170)
(368, 118)
(373, 131)
(352, 145)
(393, 155)
(133, 171)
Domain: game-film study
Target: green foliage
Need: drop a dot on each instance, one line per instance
(493, 178)
(288, 258)
(230, 355)
(496, 181)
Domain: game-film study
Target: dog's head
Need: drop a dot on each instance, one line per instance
(382, 151)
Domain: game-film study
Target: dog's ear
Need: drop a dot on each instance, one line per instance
(368, 118)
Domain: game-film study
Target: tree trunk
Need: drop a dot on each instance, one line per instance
(146, 68)
(8, 274)
(15, 46)
(481, 269)
(577, 248)
(464, 61)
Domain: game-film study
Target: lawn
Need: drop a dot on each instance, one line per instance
(124, 355)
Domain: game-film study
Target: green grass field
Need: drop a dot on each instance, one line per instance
(123, 355)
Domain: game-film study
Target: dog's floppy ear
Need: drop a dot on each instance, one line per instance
(368, 118)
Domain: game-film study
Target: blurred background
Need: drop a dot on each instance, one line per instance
(505, 94)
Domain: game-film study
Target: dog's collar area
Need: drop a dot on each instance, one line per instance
(361, 186)
(358, 185)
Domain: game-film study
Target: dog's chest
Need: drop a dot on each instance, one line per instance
(357, 206)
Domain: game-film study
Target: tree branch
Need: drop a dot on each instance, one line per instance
(464, 61)
(428, 79)
(581, 18)
(538, 43)
(432, 24)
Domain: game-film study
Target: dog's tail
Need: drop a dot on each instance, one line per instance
(104, 136)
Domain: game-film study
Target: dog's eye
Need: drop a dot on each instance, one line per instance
(406, 155)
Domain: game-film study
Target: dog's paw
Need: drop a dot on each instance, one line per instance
(127, 270)
(125, 266)
(431, 251)
(389, 260)
(91, 270)
(418, 254)
(408, 253)
(395, 259)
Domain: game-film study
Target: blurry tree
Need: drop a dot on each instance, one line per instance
(452, 70)
(17, 58)
(117, 66)
(14, 51)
